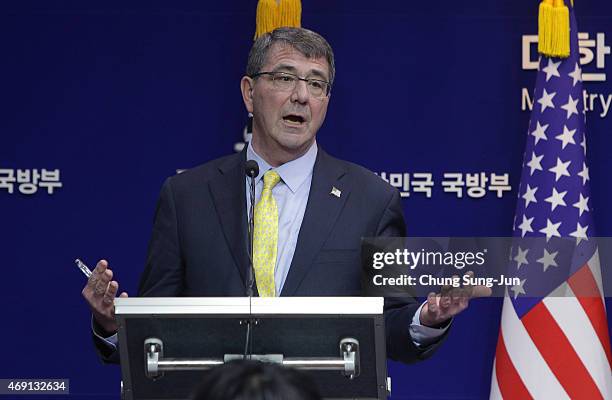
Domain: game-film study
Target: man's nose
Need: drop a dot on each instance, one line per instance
(300, 92)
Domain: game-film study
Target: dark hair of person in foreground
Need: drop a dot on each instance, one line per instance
(253, 380)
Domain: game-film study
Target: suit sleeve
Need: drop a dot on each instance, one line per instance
(163, 273)
(400, 311)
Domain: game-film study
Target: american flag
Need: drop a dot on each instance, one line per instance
(553, 341)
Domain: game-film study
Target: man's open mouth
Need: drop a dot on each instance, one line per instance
(294, 119)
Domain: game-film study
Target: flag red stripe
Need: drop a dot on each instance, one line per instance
(585, 289)
(510, 384)
(559, 354)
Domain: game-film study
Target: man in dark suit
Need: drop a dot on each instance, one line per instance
(311, 210)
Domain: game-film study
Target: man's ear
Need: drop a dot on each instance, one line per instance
(246, 87)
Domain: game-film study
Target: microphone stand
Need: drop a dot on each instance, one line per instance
(251, 270)
(252, 170)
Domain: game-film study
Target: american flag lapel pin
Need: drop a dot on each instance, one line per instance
(335, 191)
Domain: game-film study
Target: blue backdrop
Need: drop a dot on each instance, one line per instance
(119, 96)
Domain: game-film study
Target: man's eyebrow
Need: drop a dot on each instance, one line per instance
(290, 68)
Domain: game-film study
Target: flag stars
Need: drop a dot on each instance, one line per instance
(521, 257)
(583, 144)
(540, 132)
(529, 195)
(576, 75)
(584, 174)
(581, 205)
(518, 289)
(580, 233)
(525, 226)
(566, 137)
(546, 100)
(552, 69)
(548, 260)
(551, 229)
(571, 106)
(556, 199)
(560, 169)
(535, 163)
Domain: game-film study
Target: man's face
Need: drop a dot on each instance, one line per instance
(285, 122)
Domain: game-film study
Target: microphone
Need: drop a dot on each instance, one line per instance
(251, 169)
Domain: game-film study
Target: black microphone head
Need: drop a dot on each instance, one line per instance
(251, 168)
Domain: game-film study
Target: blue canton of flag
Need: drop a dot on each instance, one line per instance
(554, 196)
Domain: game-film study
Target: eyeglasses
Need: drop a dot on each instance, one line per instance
(286, 82)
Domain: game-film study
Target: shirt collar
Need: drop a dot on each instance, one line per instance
(293, 173)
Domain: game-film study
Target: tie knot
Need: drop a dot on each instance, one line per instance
(271, 178)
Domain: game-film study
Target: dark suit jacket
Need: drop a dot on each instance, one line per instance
(199, 241)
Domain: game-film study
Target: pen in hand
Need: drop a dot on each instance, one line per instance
(83, 267)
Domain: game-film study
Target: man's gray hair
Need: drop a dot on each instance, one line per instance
(307, 42)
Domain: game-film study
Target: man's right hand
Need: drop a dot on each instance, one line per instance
(100, 293)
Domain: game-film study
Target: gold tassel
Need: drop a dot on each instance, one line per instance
(290, 13)
(272, 14)
(554, 29)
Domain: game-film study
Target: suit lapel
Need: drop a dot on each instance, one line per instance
(321, 213)
(228, 192)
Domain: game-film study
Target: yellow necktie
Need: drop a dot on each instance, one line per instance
(265, 237)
